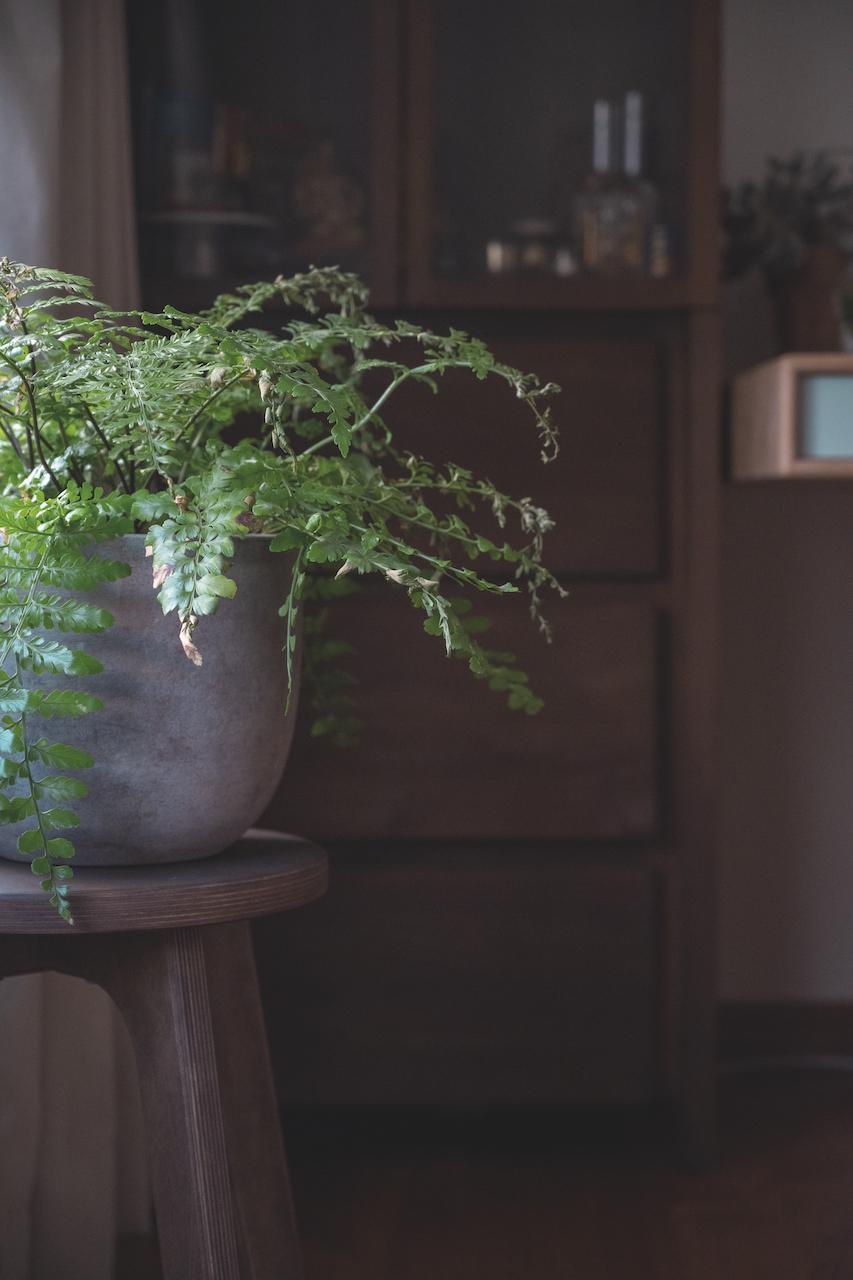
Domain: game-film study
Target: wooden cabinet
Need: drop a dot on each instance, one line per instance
(521, 909)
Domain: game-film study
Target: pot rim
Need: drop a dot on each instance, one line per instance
(239, 537)
(252, 543)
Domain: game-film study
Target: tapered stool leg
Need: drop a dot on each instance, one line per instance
(161, 984)
(261, 1186)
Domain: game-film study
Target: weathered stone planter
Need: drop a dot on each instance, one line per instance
(186, 757)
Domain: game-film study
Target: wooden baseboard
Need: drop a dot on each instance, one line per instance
(749, 1031)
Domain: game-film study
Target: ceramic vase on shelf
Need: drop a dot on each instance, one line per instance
(807, 301)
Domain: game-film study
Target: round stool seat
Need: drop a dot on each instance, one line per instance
(264, 873)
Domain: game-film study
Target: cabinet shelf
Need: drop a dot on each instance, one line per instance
(519, 293)
(580, 293)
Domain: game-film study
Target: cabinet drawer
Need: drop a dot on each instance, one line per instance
(443, 758)
(604, 490)
(427, 979)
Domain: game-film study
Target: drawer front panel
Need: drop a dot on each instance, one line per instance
(604, 490)
(443, 758)
(428, 981)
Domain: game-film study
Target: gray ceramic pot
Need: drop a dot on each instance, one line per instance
(186, 757)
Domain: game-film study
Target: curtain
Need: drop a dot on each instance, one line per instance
(72, 1170)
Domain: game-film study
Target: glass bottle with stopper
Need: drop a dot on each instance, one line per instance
(640, 197)
(615, 212)
(595, 206)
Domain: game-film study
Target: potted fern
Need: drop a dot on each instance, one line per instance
(796, 226)
(156, 466)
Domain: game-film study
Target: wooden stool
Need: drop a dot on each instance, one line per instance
(171, 945)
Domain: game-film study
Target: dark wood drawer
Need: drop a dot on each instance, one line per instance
(428, 978)
(604, 490)
(443, 758)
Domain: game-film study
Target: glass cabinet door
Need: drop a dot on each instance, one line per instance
(549, 149)
(264, 141)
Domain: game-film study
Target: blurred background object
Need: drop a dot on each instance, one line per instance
(797, 227)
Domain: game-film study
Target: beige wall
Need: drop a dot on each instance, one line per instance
(786, 875)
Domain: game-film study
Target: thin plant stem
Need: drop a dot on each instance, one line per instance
(7, 432)
(34, 419)
(93, 423)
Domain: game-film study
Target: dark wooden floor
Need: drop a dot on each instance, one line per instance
(566, 1196)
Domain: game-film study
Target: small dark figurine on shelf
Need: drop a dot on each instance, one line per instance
(797, 227)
